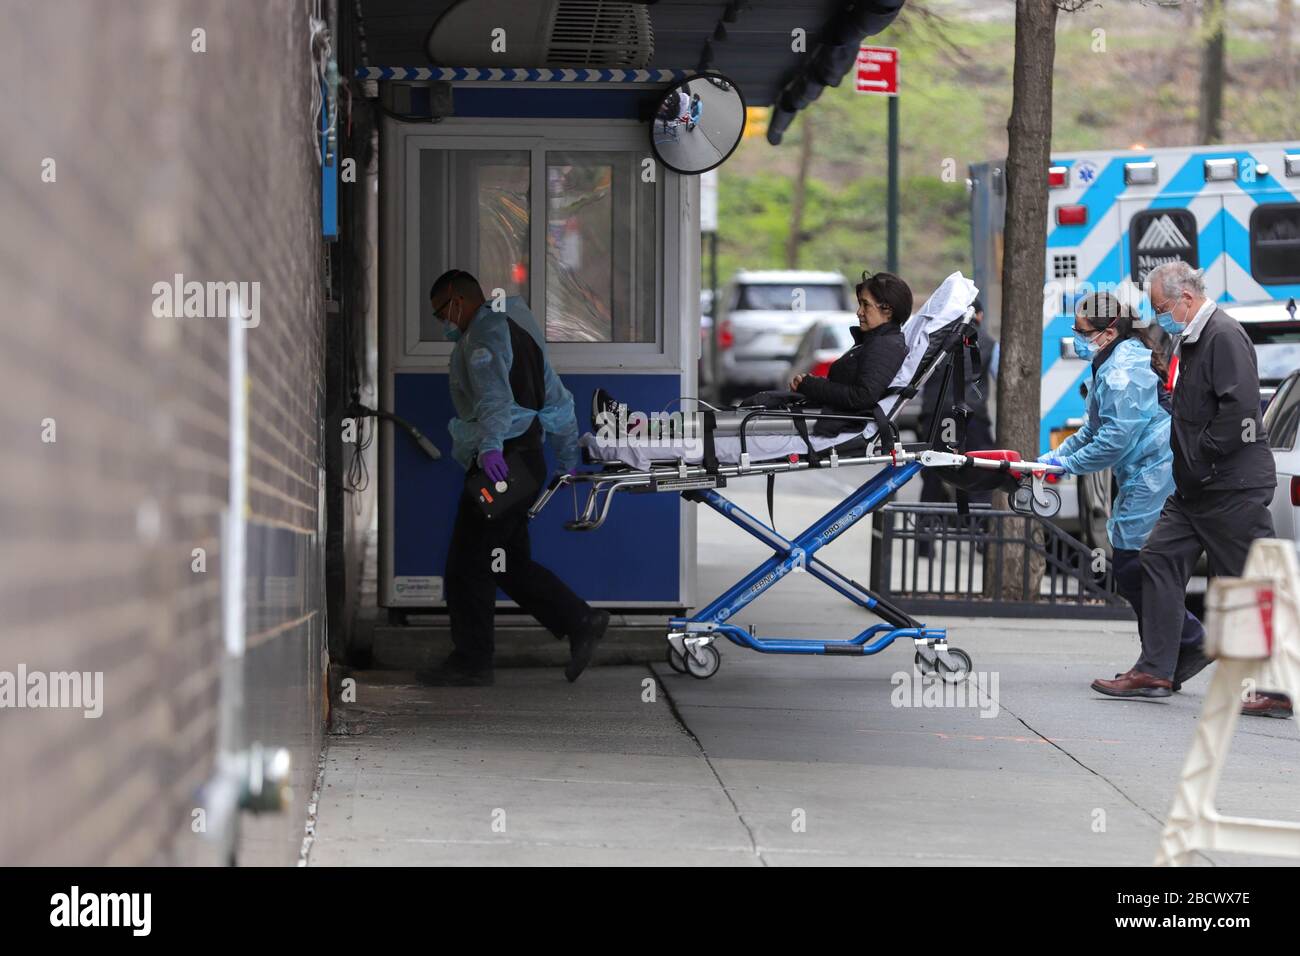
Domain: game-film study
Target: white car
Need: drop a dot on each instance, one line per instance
(1273, 327)
(1280, 421)
(763, 318)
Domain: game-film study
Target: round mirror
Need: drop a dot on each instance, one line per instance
(698, 124)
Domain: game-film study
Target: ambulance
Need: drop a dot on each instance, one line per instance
(1113, 216)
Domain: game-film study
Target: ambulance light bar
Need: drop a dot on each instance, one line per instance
(1220, 169)
(1141, 174)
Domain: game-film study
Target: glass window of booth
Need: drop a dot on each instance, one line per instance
(586, 218)
(600, 233)
(476, 215)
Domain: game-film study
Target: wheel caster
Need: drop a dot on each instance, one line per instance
(953, 671)
(675, 660)
(712, 661)
(1022, 500)
(1050, 505)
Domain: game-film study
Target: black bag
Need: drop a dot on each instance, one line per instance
(775, 400)
(495, 499)
(970, 478)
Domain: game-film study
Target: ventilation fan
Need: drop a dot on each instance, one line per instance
(547, 33)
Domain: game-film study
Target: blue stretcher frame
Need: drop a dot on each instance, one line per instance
(691, 639)
(799, 552)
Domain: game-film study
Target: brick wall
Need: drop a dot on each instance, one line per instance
(167, 161)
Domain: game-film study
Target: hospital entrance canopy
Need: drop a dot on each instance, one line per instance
(753, 42)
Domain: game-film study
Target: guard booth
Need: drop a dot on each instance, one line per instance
(547, 171)
(548, 191)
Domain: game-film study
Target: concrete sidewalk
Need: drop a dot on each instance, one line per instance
(784, 760)
(724, 771)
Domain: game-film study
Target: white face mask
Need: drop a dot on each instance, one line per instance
(452, 331)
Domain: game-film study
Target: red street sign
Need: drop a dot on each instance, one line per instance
(877, 70)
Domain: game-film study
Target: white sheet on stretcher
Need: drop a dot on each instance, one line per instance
(948, 303)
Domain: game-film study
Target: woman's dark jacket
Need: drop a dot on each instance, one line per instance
(858, 379)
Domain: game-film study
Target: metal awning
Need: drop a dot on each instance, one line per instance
(754, 49)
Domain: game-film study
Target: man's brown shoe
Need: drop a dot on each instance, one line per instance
(1134, 684)
(1261, 705)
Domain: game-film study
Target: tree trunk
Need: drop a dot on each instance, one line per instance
(1029, 133)
(1285, 50)
(1213, 42)
(1029, 140)
(795, 239)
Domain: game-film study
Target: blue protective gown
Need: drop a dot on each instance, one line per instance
(1127, 431)
(486, 411)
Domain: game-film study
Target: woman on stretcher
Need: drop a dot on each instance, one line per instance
(854, 385)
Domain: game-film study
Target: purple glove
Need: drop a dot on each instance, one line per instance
(494, 463)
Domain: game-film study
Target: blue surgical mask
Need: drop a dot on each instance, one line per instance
(1083, 346)
(451, 333)
(1166, 322)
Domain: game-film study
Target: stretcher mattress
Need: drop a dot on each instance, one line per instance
(947, 305)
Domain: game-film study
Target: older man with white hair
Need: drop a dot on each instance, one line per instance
(1224, 479)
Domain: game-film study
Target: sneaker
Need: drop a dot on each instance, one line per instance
(453, 673)
(606, 412)
(1190, 663)
(582, 643)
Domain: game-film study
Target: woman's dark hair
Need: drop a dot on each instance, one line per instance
(889, 291)
(1101, 310)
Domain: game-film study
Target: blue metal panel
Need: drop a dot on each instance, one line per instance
(636, 556)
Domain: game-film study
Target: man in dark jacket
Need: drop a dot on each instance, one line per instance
(859, 378)
(1224, 478)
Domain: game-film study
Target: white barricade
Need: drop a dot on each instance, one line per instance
(1253, 628)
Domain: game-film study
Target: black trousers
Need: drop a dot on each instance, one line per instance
(1222, 524)
(485, 555)
(1127, 566)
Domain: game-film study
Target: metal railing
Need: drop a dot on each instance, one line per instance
(930, 559)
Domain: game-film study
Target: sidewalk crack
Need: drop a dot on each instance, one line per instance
(708, 762)
(1160, 821)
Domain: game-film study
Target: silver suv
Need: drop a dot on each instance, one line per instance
(765, 316)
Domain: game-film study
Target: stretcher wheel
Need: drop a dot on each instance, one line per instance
(712, 661)
(941, 669)
(1049, 510)
(675, 660)
(1023, 501)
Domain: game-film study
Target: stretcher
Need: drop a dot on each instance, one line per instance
(691, 639)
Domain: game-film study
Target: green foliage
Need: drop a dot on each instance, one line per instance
(956, 81)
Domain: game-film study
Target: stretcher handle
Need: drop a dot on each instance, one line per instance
(556, 483)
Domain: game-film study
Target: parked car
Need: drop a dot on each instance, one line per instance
(824, 342)
(1281, 419)
(1274, 329)
(706, 344)
(763, 318)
